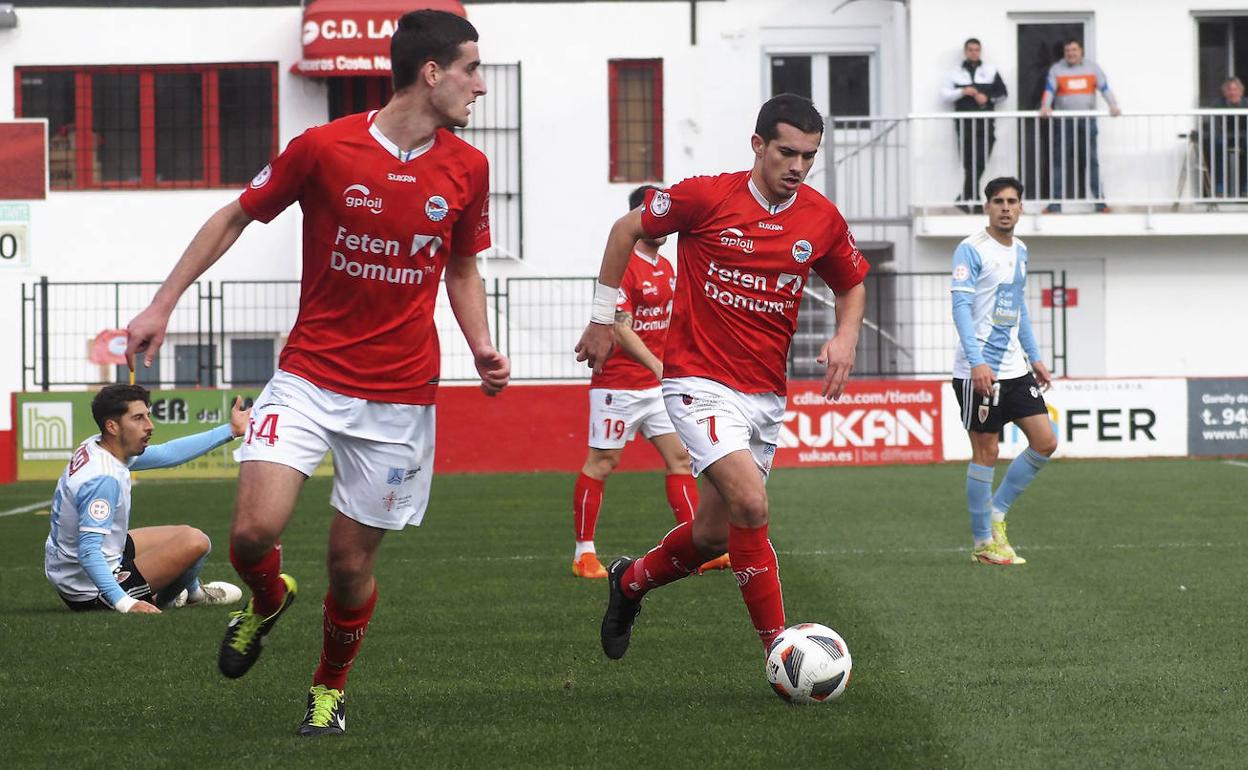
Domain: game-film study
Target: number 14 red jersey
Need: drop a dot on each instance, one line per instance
(743, 263)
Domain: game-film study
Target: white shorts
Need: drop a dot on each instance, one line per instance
(713, 420)
(615, 416)
(383, 453)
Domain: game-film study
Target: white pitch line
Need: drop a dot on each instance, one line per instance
(25, 508)
(1236, 462)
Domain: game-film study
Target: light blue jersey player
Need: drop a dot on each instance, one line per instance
(92, 557)
(998, 373)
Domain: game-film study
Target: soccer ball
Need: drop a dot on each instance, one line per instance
(809, 663)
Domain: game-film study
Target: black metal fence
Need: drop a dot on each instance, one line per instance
(229, 333)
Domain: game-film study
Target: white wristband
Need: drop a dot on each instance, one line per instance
(605, 298)
(124, 604)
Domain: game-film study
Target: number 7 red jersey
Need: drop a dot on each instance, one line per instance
(379, 225)
(742, 265)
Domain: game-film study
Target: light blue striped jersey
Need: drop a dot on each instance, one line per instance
(92, 495)
(995, 276)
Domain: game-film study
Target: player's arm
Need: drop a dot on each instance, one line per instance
(147, 330)
(966, 268)
(631, 344)
(1103, 87)
(597, 340)
(1027, 339)
(1046, 99)
(839, 353)
(466, 292)
(97, 502)
(187, 448)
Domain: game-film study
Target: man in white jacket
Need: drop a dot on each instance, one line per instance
(974, 87)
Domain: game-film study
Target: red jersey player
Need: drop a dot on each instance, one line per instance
(625, 397)
(748, 242)
(390, 199)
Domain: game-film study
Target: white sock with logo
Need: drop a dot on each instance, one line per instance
(584, 546)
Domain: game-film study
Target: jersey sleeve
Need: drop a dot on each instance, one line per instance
(471, 235)
(842, 267)
(675, 209)
(966, 267)
(626, 302)
(280, 183)
(96, 500)
(180, 450)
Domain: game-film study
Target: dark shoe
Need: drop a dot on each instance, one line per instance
(327, 712)
(244, 636)
(617, 623)
(1053, 208)
(1101, 208)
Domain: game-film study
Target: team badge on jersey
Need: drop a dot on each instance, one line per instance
(262, 178)
(660, 204)
(802, 251)
(99, 509)
(961, 273)
(436, 208)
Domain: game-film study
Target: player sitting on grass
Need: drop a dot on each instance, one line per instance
(92, 558)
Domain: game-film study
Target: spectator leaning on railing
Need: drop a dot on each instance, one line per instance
(973, 86)
(1226, 138)
(1072, 84)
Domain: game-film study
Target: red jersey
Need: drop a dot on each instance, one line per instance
(646, 293)
(743, 264)
(379, 225)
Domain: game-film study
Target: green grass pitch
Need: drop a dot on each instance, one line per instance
(1120, 644)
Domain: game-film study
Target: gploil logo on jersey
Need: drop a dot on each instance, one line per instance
(359, 196)
(736, 238)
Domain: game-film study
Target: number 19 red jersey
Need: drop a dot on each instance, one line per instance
(646, 294)
(379, 224)
(743, 263)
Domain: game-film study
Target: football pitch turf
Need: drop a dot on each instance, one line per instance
(1120, 644)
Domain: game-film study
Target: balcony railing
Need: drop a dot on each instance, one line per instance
(885, 169)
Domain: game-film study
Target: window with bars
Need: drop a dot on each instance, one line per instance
(636, 120)
(153, 127)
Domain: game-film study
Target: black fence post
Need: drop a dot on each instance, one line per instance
(44, 354)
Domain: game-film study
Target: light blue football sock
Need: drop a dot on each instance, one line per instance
(188, 580)
(978, 500)
(1020, 473)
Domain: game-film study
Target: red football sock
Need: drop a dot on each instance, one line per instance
(586, 500)
(667, 562)
(758, 575)
(263, 578)
(344, 632)
(682, 495)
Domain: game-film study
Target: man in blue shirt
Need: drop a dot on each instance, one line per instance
(91, 557)
(997, 372)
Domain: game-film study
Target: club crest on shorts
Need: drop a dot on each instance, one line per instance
(387, 502)
(394, 477)
(608, 400)
(1035, 393)
(686, 399)
(983, 413)
(802, 251)
(122, 576)
(436, 208)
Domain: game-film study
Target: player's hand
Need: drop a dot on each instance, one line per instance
(144, 608)
(1115, 111)
(981, 379)
(1044, 378)
(1046, 112)
(595, 345)
(838, 355)
(980, 98)
(969, 90)
(145, 334)
(495, 370)
(239, 417)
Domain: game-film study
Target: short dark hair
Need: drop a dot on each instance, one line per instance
(426, 36)
(797, 111)
(974, 40)
(638, 196)
(1074, 40)
(1000, 183)
(113, 401)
